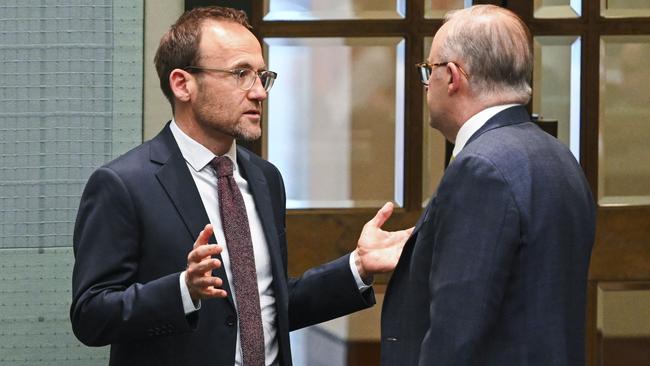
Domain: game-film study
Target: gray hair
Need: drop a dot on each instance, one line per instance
(495, 46)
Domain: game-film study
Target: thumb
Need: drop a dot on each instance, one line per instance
(382, 215)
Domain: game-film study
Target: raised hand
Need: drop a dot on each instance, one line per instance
(377, 250)
(198, 276)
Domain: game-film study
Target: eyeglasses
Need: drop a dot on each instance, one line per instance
(425, 69)
(245, 77)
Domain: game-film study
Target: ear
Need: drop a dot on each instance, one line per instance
(182, 84)
(455, 78)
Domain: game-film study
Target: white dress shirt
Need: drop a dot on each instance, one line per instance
(473, 124)
(198, 159)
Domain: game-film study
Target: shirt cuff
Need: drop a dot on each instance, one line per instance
(188, 304)
(357, 277)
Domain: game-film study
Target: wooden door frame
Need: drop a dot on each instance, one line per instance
(338, 229)
(622, 246)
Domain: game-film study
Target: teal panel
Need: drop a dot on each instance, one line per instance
(128, 75)
(35, 300)
(71, 100)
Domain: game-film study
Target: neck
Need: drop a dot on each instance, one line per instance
(467, 108)
(461, 112)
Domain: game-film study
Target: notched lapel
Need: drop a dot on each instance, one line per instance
(180, 188)
(260, 190)
(177, 181)
(428, 211)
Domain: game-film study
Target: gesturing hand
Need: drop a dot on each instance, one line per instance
(377, 250)
(200, 264)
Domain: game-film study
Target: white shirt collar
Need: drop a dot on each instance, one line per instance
(474, 123)
(195, 154)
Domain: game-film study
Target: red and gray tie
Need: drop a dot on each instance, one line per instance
(242, 262)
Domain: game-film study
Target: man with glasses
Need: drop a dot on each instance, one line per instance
(495, 271)
(148, 277)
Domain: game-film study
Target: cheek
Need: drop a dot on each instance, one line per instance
(220, 103)
(430, 98)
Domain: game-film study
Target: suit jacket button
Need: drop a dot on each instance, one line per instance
(230, 320)
(391, 339)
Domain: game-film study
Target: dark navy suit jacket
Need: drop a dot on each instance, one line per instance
(495, 271)
(138, 219)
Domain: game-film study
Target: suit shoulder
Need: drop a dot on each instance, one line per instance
(267, 167)
(132, 161)
(509, 143)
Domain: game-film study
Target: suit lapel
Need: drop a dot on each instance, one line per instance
(425, 216)
(259, 187)
(260, 190)
(177, 181)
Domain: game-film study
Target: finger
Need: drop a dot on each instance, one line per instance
(202, 269)
(217, 265)
(208, 250)
(210, 291)
(214, 292)
(204, 236)
(205, 267)
(202, 252)
(382, 215)
(204, 282)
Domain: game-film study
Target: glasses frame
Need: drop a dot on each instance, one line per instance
(237, 73)
(426, 69)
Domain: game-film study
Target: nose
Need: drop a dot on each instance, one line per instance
(257, 91)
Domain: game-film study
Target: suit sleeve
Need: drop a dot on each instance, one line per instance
(108, 304)
(324, 293)
(321, 293)
(476, 238)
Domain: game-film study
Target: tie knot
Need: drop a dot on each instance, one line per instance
(222, 165)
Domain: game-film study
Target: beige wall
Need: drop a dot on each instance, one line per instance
(158, 16)
(624, 313)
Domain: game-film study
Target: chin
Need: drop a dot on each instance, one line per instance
(248, 138)
(249, 134)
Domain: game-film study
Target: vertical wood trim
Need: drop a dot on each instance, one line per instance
(589, 123)
(590, 323)
(413, 131)
(524, 9)
(415, 10)
(256, 15)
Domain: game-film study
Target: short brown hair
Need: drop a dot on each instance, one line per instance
(179, 46)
